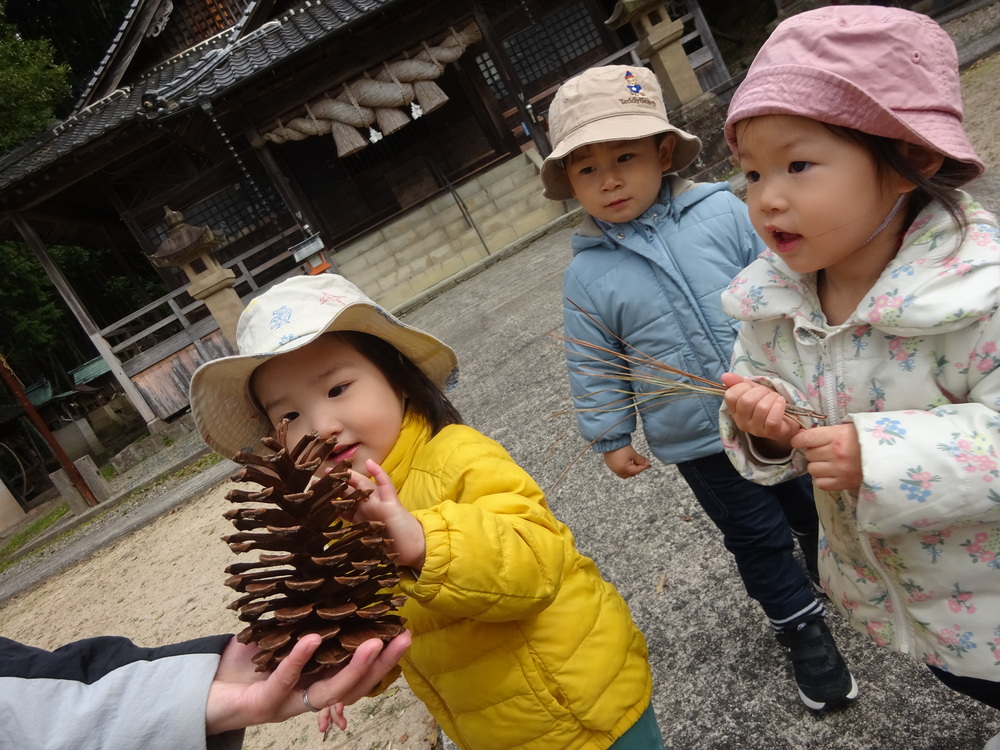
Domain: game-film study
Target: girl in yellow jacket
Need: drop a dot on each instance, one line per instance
(518, 642)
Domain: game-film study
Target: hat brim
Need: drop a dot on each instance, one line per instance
(221, 404)
(803, 91)
(613, 128)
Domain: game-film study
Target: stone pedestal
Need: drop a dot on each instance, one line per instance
(660, 42)
(668, 60)
(190, 248)
(68, 491)
(92, 476)
(78, 439)
(11, 511)
(216, 290)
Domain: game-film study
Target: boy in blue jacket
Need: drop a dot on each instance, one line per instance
(649, 266)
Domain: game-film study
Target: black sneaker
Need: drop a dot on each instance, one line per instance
(821, 673)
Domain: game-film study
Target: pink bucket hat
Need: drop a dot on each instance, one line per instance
(884, 71)
(608, 103)
(284, 318)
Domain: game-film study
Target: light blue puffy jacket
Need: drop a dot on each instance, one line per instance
(656, 282)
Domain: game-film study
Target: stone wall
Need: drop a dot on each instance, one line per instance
(404, 258)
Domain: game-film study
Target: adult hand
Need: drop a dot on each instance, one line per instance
(760, 411)
(834, 456)
(626, 462)
(240, 696)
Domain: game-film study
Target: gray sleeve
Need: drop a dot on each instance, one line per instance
(110, 694)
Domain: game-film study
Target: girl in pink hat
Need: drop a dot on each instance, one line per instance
(875, 305)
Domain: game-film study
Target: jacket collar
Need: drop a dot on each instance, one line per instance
(413, 435)
(675, 196)
(937, 279)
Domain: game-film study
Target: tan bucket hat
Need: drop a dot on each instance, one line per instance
(286, 317)
(608, 103)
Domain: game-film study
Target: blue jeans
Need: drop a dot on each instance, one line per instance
(984, 691)
(757, 525)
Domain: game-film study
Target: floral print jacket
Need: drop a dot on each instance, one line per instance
(913, 558)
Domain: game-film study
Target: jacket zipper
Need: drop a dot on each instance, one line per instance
(834, 416)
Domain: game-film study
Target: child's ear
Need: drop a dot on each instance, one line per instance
(666, 150)
(926, 161)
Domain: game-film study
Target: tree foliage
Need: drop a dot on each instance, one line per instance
(80, 31)
(38, 334)
(33, 318)
(33, 86)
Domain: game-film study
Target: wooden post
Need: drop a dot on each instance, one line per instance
(282, 180)
(510, 79)
(83, 317)
(74, 473)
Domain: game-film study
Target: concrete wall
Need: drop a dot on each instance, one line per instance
(78, 439)
(429, 244)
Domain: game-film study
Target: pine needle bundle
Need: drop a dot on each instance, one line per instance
(317, 572)
(634, 366)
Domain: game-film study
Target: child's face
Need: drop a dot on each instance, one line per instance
(815, 198)
(327, 387)
(617, 181)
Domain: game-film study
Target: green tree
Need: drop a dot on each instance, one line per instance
(80, 31)
(32, 85)
(34, 323)
(38, 333)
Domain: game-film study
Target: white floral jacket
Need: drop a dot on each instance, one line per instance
(913, 559)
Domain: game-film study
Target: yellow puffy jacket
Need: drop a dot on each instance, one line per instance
(517, 640)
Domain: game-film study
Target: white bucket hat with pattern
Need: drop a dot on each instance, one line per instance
(284, 318)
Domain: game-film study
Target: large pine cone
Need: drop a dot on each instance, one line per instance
(320, 574)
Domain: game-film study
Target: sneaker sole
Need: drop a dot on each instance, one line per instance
(851, 695)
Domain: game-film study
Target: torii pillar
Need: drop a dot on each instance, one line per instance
(191, 248)
(660, 42)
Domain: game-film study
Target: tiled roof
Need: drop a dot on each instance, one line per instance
(200, 73)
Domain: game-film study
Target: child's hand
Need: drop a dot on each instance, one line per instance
(383, 505)
(834, 456)
(760, 411)
(626, 462)
(330, 717)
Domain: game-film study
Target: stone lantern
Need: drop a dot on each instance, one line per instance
(191, 248)
(660, 42)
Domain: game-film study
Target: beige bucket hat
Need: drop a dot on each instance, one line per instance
(608, 103)
(286, 317)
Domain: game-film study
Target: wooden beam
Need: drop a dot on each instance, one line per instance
(129, 221)
(78, 309)
(509, 77)
(284, 181)
(59, 176)
(122, 56)
(53, 213)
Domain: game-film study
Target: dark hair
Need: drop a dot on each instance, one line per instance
(887, 153)
(423, 396)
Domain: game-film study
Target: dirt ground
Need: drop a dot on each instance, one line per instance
(164, 582)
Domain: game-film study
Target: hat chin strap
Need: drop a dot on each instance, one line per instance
(885, 222)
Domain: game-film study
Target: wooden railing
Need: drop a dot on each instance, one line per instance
(139, 350)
